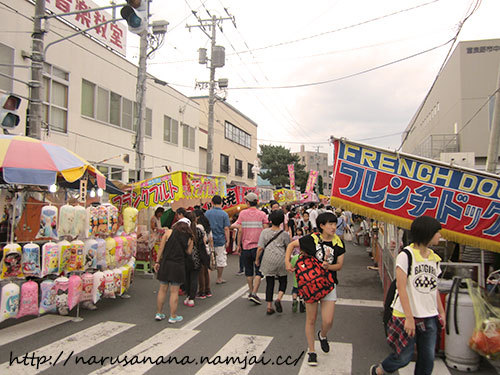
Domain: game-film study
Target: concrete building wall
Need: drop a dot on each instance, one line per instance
(84, 59)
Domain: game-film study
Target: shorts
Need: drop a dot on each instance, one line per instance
(171, 283)
(248, 257)
(332, 296)
(220, 256)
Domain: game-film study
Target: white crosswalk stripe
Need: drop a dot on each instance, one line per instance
(340, 301)
(439, 368)
(242, 346)
(154, 348)
(65, 349)
(30, 327)
(337, 362)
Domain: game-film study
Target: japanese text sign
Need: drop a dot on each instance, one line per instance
(169, 188)
(114, 35)
(235, 196)
(398, 188)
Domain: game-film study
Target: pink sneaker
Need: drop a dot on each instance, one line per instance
(189, 302)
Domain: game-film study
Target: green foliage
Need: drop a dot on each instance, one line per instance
(320, 184)
(274, 159)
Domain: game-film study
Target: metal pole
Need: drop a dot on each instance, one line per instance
(37, 59)
(492, 159)
(211, 103)
(141, 103)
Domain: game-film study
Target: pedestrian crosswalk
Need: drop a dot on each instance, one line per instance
(340, 301)
(239, 355)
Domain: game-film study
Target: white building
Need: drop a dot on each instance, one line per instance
(88, 97)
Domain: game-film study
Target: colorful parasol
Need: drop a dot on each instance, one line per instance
(29, 161)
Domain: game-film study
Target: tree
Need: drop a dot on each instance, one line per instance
(274, 161)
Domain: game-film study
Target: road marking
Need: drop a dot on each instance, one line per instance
(439, 368)
(241, 348)
(340, 301)
(156, 348)
(337, 362)
(68, 346)
(215, 309)
(30, 327)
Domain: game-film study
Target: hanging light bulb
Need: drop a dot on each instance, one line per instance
(92, 193)
(100, 192)
(53, 188)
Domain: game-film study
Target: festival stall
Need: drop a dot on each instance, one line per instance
(308, 198)
(176, 189)
(56, 256)
(286, 196)
(395, 188)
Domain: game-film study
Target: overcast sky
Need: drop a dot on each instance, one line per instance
(284, 43)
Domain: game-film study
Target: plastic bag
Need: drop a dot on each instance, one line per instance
(486, 336)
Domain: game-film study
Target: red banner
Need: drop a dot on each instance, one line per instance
(291, 173)
(397, 188)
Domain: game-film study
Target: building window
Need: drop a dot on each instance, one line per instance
(55, 98)
(127, 114)
(188, 136)
(224, 163)
(88, 102)
(113, 173)
(102, 105)
(115, 109)
(149, 122)
(170, 130)
(6, 67)
(250, 174)
(237, 135)
(238, 168)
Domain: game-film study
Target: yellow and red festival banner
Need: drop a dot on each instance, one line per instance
(285, 196)
(169, 188)
(234, 196)
(311, 181)
(291, 173)
(397, 188)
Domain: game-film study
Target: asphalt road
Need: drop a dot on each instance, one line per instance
(226, 325)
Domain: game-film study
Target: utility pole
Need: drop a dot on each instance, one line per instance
(141, 104)
(492, 159)
(216, 61)
(37, 59)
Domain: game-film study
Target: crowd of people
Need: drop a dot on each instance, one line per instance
(309, 243)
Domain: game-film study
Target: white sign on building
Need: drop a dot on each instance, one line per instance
(114, 35)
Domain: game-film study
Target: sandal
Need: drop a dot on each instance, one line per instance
(270, 311)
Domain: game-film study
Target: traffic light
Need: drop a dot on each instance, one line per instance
(9, 117)
(136, 15)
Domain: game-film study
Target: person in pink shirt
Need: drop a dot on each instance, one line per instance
(250, 223)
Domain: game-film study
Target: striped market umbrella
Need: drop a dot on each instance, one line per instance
(29, 161)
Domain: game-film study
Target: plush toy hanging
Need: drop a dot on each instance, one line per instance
(112, 218)
(48, 223)
(101, 254)
(80, 225)
(48, 297)
(76, 257)
(9, 305)
(31, 259)
(98, 286)
(117, 273)
(50, 259)
(66, 220)
(87, 283)
(62, 295)
(129, 219)
(74, 291)
(132, 243)
(93, 221)
(119, 256)
(110, 252)
(64, 255)
(90, 251)
(102, 218)
(12, 261)
(109, 284)
(28, 304)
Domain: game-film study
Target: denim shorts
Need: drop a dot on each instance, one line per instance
(332, 296)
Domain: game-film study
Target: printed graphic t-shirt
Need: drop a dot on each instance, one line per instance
(421, 285)
(335, 248)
